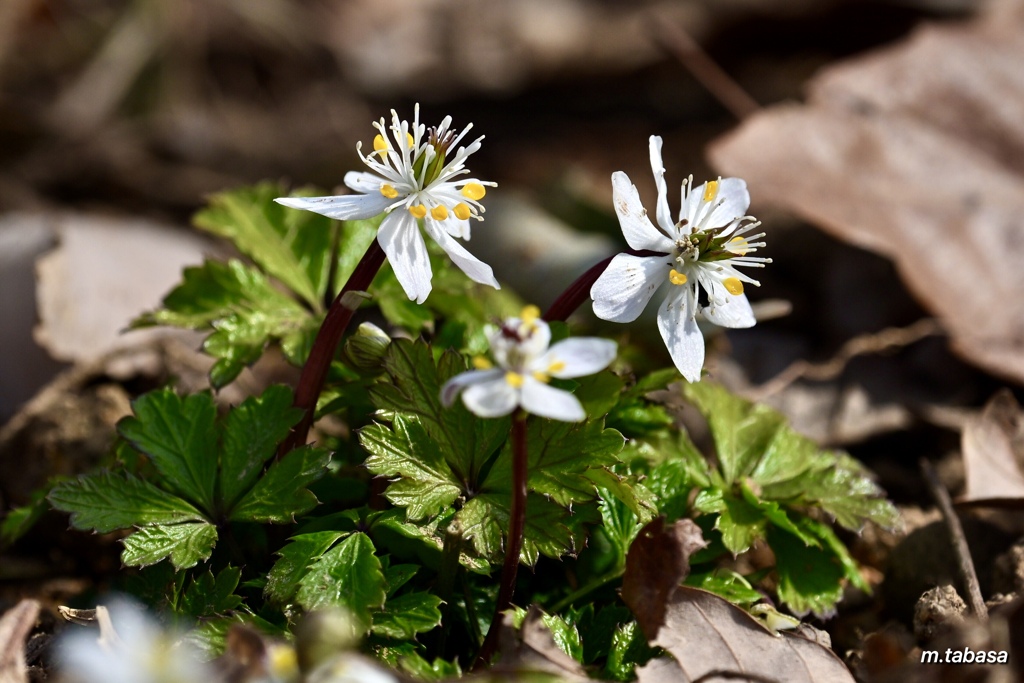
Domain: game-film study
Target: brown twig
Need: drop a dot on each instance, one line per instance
(956, 531)
(715, 80)
(875, 342)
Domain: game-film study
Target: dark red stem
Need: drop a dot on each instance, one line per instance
(515, 539)
(314, 372)
(578, 292)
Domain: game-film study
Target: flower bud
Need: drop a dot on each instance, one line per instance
(365, 349)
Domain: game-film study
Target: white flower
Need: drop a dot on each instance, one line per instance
(701, 250)
(138, 652)
(415, 181)
(525, 366)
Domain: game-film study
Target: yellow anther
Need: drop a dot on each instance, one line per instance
(530, 315)
(710, 190)
(388, 191)
(462, 211)
(419, 211)
(738, 245)
(541, 376)
(733, 285)
(557, 366)
(380, 144)
(474, 191)
(481, 363)
(409, 140)
(676, 278)
(439, 212)
(514, 379)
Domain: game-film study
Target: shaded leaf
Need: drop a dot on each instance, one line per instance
(116, 500)
(810, 578)
(405, 616)
(704, 633)
(280, 494)
(185, 544)
(294, 561)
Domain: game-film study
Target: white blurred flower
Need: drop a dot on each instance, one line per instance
(415, 181)
(133, 650)
(525, 366)
(702, 250)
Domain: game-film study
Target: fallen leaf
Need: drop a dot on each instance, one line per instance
(534, 650)
(993, 453)
(706, 634)
(914, 152)
(656, 564)
(15, 626)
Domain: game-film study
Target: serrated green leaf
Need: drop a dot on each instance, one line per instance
(186, 544)
(292, 246)
(243, 309)
(637, 497)
(251, 434)
(294, 561)
(742, 431)
(20, 520)
(629, 650)
(179, 435)
(405, 616)
(208, 596)
(810, 578)
(281, 494)
(565, 635)
(727, 584)
(116, 500)
(740, 523)
(398, 575)
(439, 669)
(485, 518)
(348, 575)
(825, 533)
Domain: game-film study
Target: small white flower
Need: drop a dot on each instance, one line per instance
(701, 250)
(415, 181)
(525, 366)
(139, 652)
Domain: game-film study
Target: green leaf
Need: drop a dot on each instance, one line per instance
(292, 246)
(740, 523)
(742, 431)
(398, 575)
(810, 578)
(295, 560)
(405, 616)
(281, 494)
(566, 637)
(245, 312)
(179, 436)
(727, 584)
(116, 500)
(186, 544)
(428, 484)
(485, 519)
(437, 670)
(208, 596)
(20, 520)
(349, 576)
(559, 454)
(251, 434)
(629, 650)
(354, 239)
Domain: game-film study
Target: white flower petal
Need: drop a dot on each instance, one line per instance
(545, 401)
(343, 207)
(367, 183)
(732, 201)
(477, 270)
(679, 330)
(727, 310)
(637, 228)
(493, 398)
(658, 167)
(577, 357)
(622, 291)
(399, 236)
(459, 382)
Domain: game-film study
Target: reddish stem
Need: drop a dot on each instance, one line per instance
(314, 372)
(515, 539)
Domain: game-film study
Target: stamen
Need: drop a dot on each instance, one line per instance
(462, 211)
(530, 315)
(439, 212)
(676, 278)
(380, 144)
(474, 191)
(388, 191)
(514, 379)
(738, 245)
(556, 366)
(541, 376)
(710, 191)
(481, 363)
(419, 211)
(733, 285)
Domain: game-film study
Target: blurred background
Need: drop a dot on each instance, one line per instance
(119, 117)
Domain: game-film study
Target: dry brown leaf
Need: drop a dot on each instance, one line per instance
(993, 452)
(657, 563)
(15, 626)
(914, 152)
(705, 633)
(534, 650)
